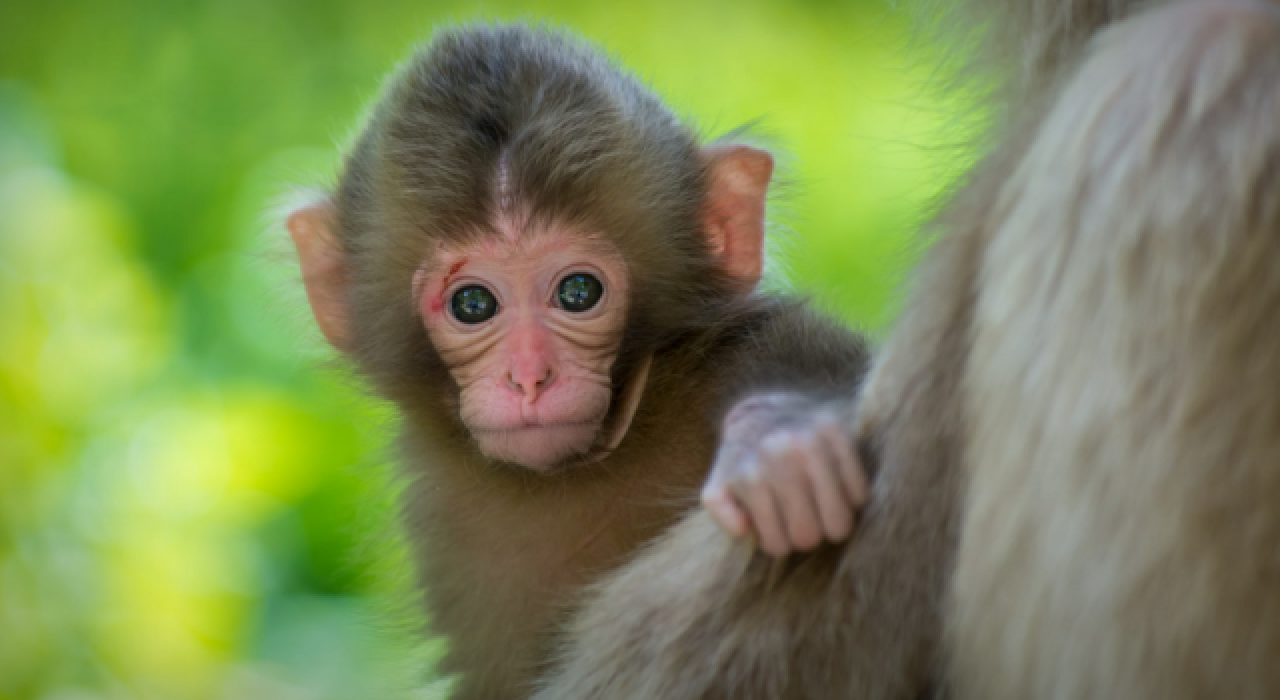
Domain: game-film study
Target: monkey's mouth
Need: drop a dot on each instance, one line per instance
(538, 446)
(535, 426)
(542, 445)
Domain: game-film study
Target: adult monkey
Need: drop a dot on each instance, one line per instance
(1094, 335)
(549, 277)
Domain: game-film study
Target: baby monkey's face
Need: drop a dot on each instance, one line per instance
(528, 320)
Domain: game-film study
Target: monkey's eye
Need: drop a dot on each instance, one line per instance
(579, 292)
(473, 304)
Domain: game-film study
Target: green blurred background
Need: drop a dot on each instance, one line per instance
(191, 504)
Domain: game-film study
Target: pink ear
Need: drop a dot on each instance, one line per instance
(313, 229)
(737, 188)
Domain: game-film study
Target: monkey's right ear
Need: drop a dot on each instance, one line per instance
(313, 229)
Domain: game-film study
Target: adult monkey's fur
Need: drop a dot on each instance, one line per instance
(1090, 346)
(1125, 432)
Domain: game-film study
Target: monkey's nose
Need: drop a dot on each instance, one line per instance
(530, 382)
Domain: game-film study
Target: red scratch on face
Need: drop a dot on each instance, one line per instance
(437, 302)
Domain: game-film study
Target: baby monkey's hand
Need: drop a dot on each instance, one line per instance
(786, 473)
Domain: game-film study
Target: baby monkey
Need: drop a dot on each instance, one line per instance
(553, 282)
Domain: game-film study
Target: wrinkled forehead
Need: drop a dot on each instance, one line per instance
(518, 238)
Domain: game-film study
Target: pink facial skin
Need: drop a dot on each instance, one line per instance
(535, 379)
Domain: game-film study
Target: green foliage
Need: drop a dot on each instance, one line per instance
(190, 506)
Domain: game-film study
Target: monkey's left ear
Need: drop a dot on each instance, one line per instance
(733, 215)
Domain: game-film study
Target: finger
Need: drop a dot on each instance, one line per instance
(852, 474)
(724, 510)
(763, 512)
(726, 468)
(792, 488)
(834, 509)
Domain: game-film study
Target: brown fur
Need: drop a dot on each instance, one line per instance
(1093, 336)
(502, 552)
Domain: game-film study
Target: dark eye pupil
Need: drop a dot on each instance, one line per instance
(579, 292)
(473, 304)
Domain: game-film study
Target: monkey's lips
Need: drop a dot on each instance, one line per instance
(537, 445)
(564, 421)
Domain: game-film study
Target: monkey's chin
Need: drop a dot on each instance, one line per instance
(539, 448)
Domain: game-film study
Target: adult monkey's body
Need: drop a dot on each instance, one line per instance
(550, 278)
(1092, 347)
